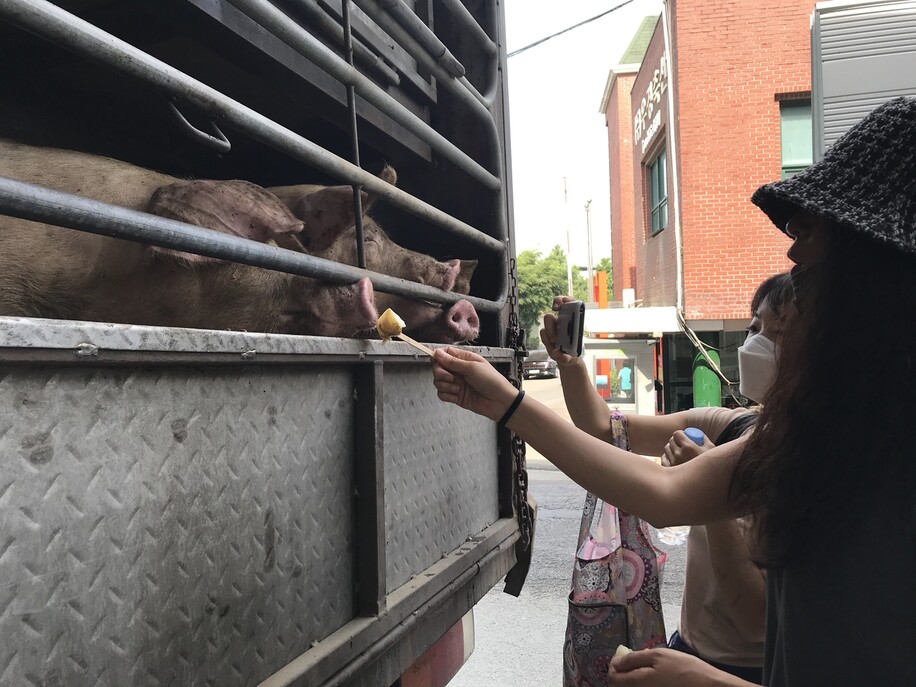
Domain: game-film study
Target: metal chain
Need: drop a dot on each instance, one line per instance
(516, 339)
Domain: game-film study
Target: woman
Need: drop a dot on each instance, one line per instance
(722, 613)
(829, 473)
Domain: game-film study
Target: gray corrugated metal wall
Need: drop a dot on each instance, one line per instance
(863, 54)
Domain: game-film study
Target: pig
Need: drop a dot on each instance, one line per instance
(329, 232)
(50, 272)
(332, 235)
(46, 271)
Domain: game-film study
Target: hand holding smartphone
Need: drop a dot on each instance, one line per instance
(571, 328)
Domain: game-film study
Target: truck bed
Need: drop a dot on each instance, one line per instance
(199, 508)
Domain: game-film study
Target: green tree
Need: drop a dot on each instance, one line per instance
(604, 265)
(580, 279)
(540, 278)
(580, 286)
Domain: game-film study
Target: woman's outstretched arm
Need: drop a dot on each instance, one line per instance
(693, 493)
(590, 412)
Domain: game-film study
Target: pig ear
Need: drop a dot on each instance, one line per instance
(326, 213)
(463, 281)
(238, 208)
(388, 175)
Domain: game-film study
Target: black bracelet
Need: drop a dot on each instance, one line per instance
(512, 408)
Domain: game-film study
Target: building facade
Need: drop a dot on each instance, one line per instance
(719, 104)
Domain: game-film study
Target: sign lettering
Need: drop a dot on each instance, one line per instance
(647, 120)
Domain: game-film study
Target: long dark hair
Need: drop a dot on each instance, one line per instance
(777, 292)
(835, 435)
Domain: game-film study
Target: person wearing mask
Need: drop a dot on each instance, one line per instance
(723, 604)
(828, 474)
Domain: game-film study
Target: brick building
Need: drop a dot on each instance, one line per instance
(714, 103)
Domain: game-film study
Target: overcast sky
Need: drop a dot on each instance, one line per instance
(556, 130)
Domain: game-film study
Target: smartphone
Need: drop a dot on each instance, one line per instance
(571, 328)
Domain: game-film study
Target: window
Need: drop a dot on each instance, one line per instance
(658, 193)
(796, 139)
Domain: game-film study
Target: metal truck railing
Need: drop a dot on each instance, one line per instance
(54, 24)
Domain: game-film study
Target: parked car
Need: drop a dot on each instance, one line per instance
(539, 364)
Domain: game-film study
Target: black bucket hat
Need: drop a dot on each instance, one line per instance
(866, 181)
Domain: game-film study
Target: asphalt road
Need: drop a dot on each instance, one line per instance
(519, 641)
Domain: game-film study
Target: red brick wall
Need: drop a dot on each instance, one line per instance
(656, 266)
(620, 157)
(732, 58)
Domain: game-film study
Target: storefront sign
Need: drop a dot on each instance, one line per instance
(648, 118)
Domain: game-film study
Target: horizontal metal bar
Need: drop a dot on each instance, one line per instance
(32, 335)
(40, 204)
(436, 48)
(287, 30)
(461, 87)
(362, 52)
(461, 14)
(49, 21)
(480, 105)
(29, 357)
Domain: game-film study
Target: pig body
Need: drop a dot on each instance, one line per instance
(47, 271)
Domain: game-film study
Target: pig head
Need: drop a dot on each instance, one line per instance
(329, 231)
(322, 223)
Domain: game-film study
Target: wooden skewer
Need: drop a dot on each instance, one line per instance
(416, 344)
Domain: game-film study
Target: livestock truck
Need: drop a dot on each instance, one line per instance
(219, 507)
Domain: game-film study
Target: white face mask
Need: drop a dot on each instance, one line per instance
(756, 366)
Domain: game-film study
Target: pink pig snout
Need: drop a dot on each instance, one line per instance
(462, 321)
(365, 301)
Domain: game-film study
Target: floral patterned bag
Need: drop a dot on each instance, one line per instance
(615, 597)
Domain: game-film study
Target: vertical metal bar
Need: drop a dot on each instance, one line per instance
(505, 488)
(354, 137)
(371, 564)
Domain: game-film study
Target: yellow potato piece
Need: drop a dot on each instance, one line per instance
(622, 650)
(389, 324)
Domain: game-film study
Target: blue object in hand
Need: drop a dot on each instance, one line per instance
(695, 435)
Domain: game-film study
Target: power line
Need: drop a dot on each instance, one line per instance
(575, 26)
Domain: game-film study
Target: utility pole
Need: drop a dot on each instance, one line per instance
(588, 234)
(569, 279)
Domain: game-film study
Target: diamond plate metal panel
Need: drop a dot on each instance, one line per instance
(440, 474)
(172, 526)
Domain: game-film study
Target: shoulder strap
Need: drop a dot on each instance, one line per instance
(737, 427)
